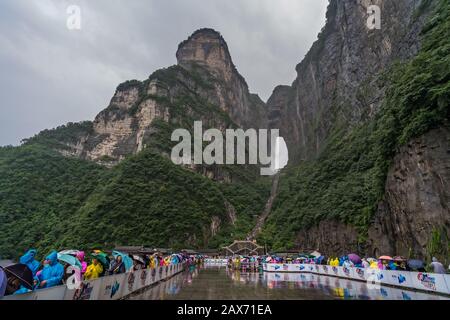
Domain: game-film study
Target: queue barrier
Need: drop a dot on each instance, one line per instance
(424, 281)
(113, 287)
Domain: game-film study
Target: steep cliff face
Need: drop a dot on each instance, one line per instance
(417, 201)
(338, 81)
(205, 85)
(207, 48)
(369, 168)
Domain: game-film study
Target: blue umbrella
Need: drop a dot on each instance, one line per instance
(127, 261)
(3, 282)
(415, 264)
(70, 260)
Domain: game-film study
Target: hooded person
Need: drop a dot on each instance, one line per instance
(437, 266)
(52, 273)
(29, 260)
(80, 257)
(94, 270)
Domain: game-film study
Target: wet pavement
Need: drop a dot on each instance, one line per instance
(220, 283)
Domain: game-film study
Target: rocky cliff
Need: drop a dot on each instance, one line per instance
(417, 201)
(368, 142)
(367, 137)
(204, 85)
(337, 83)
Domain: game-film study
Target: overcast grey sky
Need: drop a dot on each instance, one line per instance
(50, 75)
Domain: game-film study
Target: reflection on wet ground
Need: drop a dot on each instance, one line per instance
(220, 283)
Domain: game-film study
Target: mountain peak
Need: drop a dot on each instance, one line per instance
(208, 48)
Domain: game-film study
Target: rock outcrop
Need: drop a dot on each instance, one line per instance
(341, 85)
(205, 74)
(337, 82)
(417, 201)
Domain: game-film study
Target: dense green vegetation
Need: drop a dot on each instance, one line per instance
(39, 192)
(347, 181)
(62, 136)
(50, 201)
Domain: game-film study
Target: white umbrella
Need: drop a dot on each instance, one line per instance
(69, 252)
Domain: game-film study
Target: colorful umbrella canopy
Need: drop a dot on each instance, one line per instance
(354, 258)
(385, 258)
(21, 272)
(70, 260)
(3, 282)
(315, 254)
(127, 261)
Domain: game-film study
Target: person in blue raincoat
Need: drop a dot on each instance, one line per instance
(29, 260)
(52, 274)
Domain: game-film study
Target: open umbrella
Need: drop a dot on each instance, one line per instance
(70, 260)
(127, 261)
(315, 254)
(354, 258)
(3, 282)
(415, 264)
(69, 252)
(385, 258)
(102, 257)
(399, 258)
(138, 259)
(21, 272)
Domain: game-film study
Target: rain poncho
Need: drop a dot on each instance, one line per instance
(80, 256)
(365, 264)
(437, 266)
(29, 260)
(52, 273)
(93, 271)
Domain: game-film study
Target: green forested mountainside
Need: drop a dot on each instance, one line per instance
(50, 201)
(347, 181)
(40, 191)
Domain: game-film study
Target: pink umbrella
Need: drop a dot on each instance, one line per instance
(385, 258)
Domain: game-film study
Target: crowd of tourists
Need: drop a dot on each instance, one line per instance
(353, 260)
(31, 274)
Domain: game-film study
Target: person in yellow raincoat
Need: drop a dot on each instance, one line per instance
(334, 262)
(152, 262)
(374, 265)
(94, 270)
